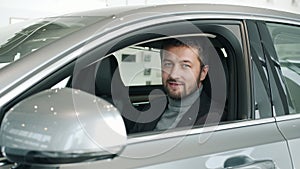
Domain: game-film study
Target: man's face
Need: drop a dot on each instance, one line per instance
(181, 68)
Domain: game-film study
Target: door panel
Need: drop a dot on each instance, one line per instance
(228, 145)
(290, 127)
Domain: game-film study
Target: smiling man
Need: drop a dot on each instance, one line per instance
(183, 71)
(184, 68)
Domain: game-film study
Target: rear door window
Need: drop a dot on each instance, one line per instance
(286, 40)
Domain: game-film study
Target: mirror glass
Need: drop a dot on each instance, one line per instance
(62, 126)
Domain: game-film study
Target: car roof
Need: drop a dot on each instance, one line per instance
(192, 8)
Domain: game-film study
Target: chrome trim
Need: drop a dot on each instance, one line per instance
(142, 137)
(273, 110)
(208, 35)
(247, 17)
(138, 103)
(287, 117)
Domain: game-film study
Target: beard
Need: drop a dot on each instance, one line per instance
(176, 95)
(181, 91)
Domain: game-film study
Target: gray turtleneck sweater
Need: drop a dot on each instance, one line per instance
(176, 110)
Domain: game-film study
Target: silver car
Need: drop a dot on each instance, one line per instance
(73, 88)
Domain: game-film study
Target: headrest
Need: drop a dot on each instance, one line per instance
(104, 73)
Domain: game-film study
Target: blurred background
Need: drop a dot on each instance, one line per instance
(13, 11)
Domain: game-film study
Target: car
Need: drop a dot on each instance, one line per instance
(73, 87)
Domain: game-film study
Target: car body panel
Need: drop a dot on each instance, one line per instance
(289, 126)
(207, 148)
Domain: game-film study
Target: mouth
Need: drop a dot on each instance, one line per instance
(175, 84)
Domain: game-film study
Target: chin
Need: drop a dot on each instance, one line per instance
(176, 96)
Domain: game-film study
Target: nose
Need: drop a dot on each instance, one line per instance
(175, 72)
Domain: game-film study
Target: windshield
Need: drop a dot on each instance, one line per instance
(18, 40)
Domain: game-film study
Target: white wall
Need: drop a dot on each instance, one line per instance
(14, 10)
(26, 9)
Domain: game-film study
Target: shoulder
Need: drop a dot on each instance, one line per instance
(154, 110)
(210, 111)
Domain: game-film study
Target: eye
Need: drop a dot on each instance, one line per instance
(167, 64)
(185, 66)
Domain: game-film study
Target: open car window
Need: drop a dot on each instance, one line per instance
(131, 77)
(126, 72)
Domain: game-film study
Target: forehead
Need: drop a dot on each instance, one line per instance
(180, 53)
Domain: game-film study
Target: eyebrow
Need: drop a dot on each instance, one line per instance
(167, 60)
(181, 61)
(186, 61)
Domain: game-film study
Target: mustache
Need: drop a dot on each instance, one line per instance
(174, 81)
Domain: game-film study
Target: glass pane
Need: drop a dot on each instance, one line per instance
(286, 39)
(17, 41)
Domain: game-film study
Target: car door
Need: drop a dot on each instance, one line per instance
(284, 52)
(247, 138)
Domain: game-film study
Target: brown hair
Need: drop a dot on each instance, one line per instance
(199, 43)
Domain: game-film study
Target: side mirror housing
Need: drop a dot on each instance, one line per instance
(62, 126)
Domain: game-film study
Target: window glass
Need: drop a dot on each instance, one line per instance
(18, 40)
(286, 40)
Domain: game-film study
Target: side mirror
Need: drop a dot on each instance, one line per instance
(62, 126)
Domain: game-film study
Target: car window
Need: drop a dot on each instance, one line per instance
(127, 72)
(286, 40)
(130, 76)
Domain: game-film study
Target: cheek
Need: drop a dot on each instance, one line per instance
(164, 75)
(191, 79)
(194, 77)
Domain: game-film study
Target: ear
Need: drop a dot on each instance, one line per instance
(204, 72)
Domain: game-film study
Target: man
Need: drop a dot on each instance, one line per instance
(183, 73)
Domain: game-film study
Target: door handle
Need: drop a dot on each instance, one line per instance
(244, 162)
